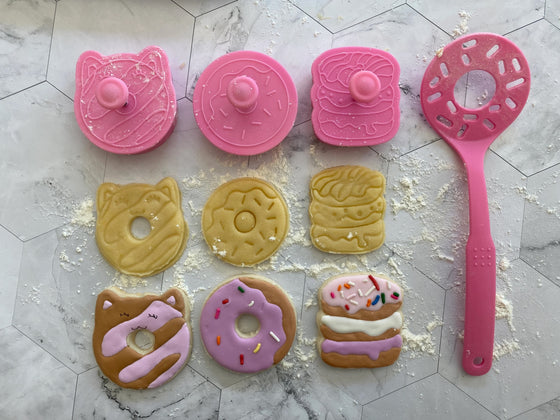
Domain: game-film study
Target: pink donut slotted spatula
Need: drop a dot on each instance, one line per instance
(470, 132)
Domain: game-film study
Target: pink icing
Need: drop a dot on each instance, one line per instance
(350, 297)
(370, 348)
(178, 344)
(350, 111)
(115, 339)
(245, 102)
(148, 115)
(228, 353)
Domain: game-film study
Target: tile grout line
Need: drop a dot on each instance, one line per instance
(400, 388)
(182, 8)
(46, 351)
(23, 90)
(534, 408)
(311, 17)
(353, 25)
(190, 59)
(430, 21)
(468, 396)
(441, 333)
(51, 43)
(75, 396)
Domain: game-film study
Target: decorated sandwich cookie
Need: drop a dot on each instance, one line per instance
(125, 103)
(245, 221)
(245, 102)
(359, 321)
(248, 351)
(346, 210)
(355, 96)
(160, 205)
(159, 354)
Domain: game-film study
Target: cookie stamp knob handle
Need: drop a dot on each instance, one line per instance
(242, 92)
(111, 93)
(364, 86)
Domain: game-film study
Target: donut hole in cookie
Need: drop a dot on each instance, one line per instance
(247, 325)
(474, 89)
(140, 227)
(141, 340)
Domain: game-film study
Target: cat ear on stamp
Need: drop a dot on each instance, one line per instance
(87, 66)
(153, 57)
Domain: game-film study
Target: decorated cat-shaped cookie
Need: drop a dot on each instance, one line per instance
(160, 205)
(120, 317)
(125, 103)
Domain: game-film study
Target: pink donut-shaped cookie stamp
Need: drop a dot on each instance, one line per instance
(125, 103)
(256, 297)
(245, 103)
(355, 96)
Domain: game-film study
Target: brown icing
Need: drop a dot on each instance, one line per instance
(276, 296)
(134, 305)
(386, 358)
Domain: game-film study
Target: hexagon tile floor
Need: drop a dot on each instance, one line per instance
(51, 270)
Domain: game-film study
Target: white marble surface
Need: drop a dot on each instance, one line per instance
(51, 270)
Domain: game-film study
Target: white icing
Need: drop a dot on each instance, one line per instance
(345, 325)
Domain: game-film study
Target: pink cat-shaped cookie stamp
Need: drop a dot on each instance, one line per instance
(125, 103)
(355, 96)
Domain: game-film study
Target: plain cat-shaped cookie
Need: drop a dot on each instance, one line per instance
(160, 205)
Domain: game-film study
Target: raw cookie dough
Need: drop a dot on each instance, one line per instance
(163, 322)
(359, 321)
(346, 210)
(244, 221)
(119, 205)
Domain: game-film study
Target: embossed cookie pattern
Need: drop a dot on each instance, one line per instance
(245, 221)
(119, 205)
(346, 210)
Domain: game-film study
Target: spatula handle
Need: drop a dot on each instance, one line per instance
(480, 277)
(480, 304)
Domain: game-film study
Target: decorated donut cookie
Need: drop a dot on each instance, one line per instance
(359, 321)
(346, 210)
(238, 350)
(119, 205)
(245, 221)
(141, 341)
(125, 103)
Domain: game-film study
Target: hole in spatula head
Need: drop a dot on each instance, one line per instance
(475, 89)
(444, 121)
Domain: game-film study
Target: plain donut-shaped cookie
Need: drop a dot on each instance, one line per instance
(248, 295)
(245, 221)
(119, 205)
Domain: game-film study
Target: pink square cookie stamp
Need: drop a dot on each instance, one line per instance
(245, 102)
(125, 103)
(355, 96)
